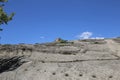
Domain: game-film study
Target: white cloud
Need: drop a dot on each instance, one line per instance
(42, 37)
(85, 35)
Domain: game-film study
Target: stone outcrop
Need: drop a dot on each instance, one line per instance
(75, 60)
(10, 64)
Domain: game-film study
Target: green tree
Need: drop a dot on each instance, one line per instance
(4, 17)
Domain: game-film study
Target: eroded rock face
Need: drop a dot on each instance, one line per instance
(81, 60)
(10, 63)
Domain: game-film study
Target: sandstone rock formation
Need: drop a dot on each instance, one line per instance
(80, 60)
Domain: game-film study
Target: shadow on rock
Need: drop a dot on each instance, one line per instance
(9, 64)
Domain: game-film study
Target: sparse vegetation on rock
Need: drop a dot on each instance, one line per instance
(60, 40)
(117, 40)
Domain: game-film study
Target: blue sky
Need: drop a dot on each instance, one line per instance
(39, 21)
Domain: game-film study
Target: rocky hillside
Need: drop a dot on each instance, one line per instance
(68, 60)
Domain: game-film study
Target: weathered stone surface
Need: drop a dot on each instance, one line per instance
(83, 60)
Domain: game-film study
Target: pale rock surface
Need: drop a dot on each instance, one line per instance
(81, 60)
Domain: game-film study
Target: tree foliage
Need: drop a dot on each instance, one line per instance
(4, 17)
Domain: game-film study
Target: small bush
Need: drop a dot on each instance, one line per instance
(59, 40)
(66, 74)
(111, 76)
(63, 41)
(94, 76)
(66, 53)
(80, 75)
(53, 73)
(96, 42)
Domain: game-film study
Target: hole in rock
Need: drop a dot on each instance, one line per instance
(53, 73)
(80, 75)
(66, 74)
(94, 76)
(111, 76)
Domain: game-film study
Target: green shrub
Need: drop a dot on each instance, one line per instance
(63, 41)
